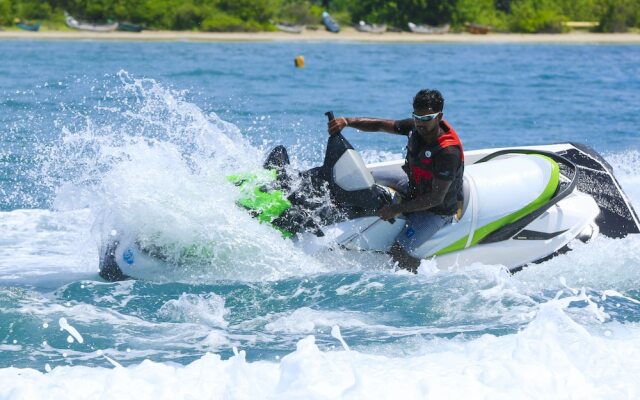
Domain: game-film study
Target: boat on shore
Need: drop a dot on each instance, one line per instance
(428, 29)
(26, 26)
(371, 28)
(289, 28)
(477, 29)
(129, 27)
(329, 23)
(88, 26)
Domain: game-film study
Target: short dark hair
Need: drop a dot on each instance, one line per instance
(429, 98)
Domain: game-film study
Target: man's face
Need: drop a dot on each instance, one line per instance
(428, 130)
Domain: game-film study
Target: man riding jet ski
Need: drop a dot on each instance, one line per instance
(432, 183)
(519, 206)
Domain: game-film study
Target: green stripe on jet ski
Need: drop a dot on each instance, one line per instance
(265, 204)
(483, 231)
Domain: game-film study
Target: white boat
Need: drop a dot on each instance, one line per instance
(371, 28)
(521, 206)
(87, 26)
(428, 29)
(289, 28)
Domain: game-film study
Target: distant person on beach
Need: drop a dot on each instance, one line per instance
(432, 180)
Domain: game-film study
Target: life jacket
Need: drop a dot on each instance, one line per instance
(419, 167)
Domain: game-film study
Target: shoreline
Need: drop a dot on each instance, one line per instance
(346, 35)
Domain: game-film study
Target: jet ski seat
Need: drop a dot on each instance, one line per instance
(496, 193)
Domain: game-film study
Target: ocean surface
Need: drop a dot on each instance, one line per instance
(138, 137)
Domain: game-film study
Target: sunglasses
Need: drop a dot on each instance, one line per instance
(425, 118)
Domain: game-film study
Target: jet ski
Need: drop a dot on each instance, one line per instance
(522, 205)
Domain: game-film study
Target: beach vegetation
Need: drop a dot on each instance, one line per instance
(537, 16)
(31, 9)
(220, 21)
(260, 11)
(580, 10)
(527, 16)
(394, 13)
(187, 16)
(482, 12)
(6, 14)
(299, 12)
(619, 15)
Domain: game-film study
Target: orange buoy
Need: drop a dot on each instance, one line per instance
(299, 62)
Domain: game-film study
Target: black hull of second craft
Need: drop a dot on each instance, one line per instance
(617, 217)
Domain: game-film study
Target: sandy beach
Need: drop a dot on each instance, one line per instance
(346, 35)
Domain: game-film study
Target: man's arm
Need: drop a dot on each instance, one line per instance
(363, 124)
(424, 202)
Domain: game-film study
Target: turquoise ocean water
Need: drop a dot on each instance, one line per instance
(96, 136)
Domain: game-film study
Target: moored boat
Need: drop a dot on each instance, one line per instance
(477, 29)
(88, 26)
(371, 28)
(129, 27)
(289, 28)
(26, 26)
(329, 23)
(428, 29)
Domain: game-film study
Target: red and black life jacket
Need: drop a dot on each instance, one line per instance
(419, 167)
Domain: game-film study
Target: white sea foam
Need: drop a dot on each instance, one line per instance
(196, 325)
(156, 171)
(626, 168)
(553, 357)
(306, 320)
(10, 347)
(64, 325)
(203, 309)
(603, 264)
(45, 247)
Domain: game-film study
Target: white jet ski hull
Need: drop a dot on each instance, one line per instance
(594, 205)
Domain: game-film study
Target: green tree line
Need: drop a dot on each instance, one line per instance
(527, 16)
